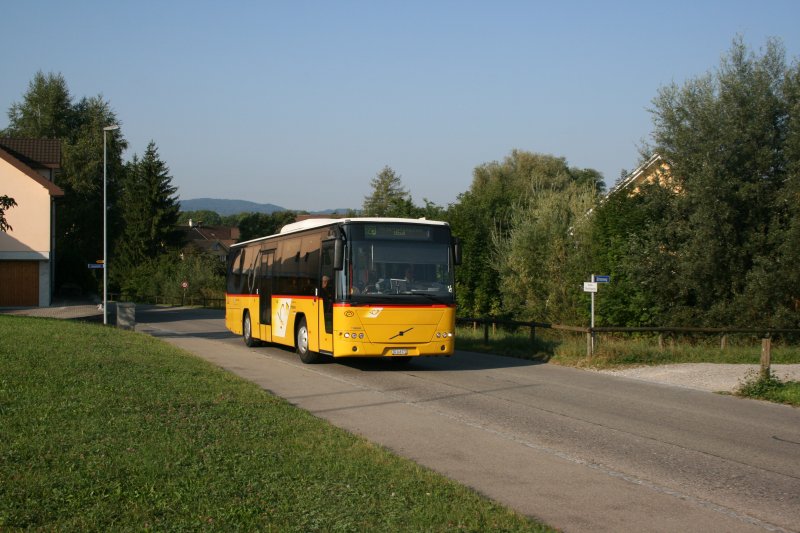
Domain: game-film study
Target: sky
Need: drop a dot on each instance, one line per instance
(301, 103)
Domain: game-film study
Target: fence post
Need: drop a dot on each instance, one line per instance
(533, 333)
(486, 332)
(766, 356)
(660, 342)
(724, 342)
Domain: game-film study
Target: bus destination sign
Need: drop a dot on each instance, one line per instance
(397, 231)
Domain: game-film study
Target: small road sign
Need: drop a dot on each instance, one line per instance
(602, 279)
(95, 265)
(589, 286)
(185, 284)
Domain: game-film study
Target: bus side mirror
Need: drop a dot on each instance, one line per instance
(456, 251)
(338, 254)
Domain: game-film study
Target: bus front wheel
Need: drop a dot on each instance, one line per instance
(306, 355)
(247, 331)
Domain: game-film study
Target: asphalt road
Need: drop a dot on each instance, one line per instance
(582, 451)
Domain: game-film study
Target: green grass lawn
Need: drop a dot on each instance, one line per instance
(108, 430)
(614, 352)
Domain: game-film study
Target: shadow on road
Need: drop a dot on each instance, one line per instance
(209, 335)
(151, 314)
(461, 361)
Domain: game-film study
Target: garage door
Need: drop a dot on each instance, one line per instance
(19, 283)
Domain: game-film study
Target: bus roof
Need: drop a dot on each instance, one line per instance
(312, 223)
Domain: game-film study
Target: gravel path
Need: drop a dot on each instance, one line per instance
(703, 376)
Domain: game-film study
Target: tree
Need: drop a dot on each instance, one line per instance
(202, 216)
(254, 225)
(149, 211)
(544, 255)
(388, 198)
(6, 202)
(46, 110)
(628, 236)
(728, 135)
(502, 196)
(79, 221)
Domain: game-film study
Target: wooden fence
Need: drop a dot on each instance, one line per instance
(765, 334)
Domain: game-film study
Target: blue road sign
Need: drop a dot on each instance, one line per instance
(95, 265)
(602, 279)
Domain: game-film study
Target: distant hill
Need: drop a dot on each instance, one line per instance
(233, 207)
(228, 207)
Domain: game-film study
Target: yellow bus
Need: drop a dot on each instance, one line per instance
(359, 287)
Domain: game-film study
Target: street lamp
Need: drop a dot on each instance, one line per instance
(105, 224)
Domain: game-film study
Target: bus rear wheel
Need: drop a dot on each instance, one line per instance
(306, 355)
(247, 331)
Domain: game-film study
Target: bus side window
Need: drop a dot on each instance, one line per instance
(235, 281)
(249, 268)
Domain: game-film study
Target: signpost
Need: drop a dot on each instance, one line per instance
(591, 288)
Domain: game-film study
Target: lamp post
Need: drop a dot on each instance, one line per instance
(105, 223)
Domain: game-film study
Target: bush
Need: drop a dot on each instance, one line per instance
(163, 277)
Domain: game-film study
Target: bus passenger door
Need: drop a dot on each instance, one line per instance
(265, 292)
(326, 296)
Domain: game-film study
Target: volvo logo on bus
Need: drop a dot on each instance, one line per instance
(400, 333)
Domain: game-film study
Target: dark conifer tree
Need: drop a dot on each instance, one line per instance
(149, 212)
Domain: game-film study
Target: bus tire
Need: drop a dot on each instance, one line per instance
(301, 345)
(247, 331)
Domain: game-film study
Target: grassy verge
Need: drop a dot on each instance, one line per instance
(770, 388)
(570, 349)
(615, 352)
(104, 430)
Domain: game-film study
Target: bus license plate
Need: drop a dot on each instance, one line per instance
(399, 351)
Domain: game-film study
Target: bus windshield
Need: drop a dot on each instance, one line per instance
(397, 271)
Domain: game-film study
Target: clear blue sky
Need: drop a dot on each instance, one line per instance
(301, 103)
